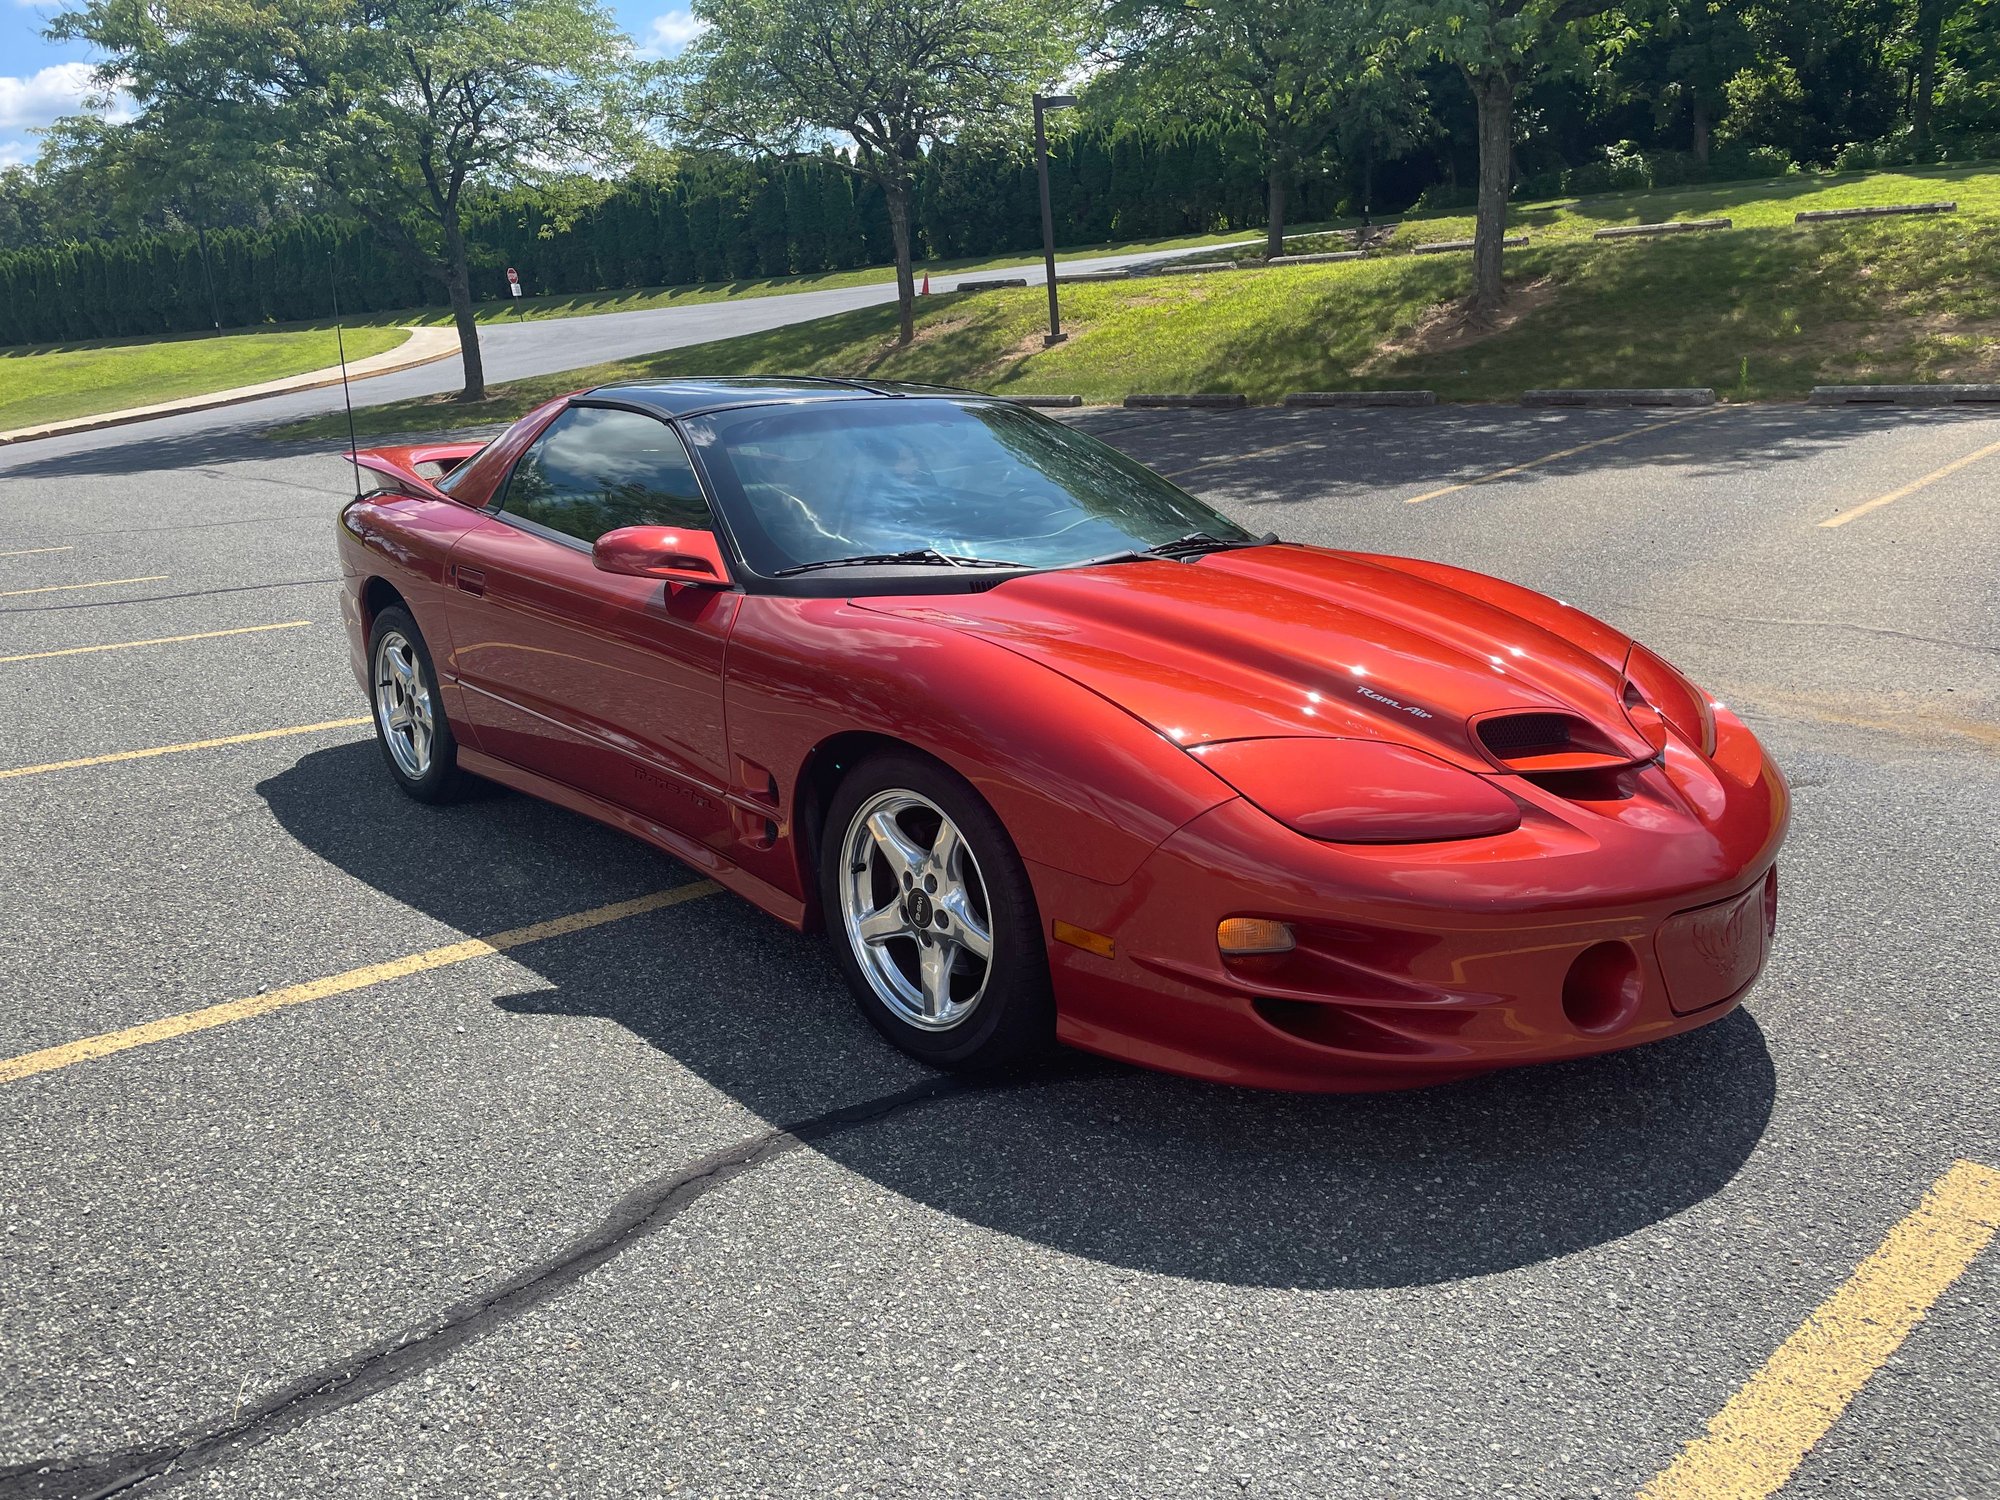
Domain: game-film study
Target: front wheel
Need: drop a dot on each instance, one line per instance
(932, 917)
(410, 723)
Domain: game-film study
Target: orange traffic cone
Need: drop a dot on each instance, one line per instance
(927, 284)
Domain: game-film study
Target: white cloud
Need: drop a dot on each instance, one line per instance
(670, 33)
(14, 154)
(57, 90)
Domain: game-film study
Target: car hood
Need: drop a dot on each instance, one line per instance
(1288, 640)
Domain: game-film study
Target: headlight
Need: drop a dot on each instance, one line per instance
(1362, 791)
(1677, 700)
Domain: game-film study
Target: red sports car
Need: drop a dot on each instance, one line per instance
(1053, 750)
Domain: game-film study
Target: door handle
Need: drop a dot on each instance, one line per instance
(470, 579)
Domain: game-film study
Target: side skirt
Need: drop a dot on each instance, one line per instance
(699, 857)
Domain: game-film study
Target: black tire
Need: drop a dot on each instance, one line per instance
(1012, 1016)
(439, 779)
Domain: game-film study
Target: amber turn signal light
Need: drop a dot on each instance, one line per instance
(1244, 937)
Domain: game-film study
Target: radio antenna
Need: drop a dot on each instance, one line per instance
(346, 396)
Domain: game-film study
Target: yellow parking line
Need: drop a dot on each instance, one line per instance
(34, 551)
(1911, 488)
(1758, 1440)
(228, 739)
(1549, 458)
(102, 583)
(158, 640)
(89, 1048)
(1237, 458)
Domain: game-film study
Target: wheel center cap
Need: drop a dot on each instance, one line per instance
(920, 909)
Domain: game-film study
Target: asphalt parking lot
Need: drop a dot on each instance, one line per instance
(640, 1206)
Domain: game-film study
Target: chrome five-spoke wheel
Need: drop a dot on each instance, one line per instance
(915, 910)
(403, 704)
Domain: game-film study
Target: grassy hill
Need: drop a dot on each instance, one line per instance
(1763, 310)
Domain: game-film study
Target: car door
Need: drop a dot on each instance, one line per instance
(607, 683)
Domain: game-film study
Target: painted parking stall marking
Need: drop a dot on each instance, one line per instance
(64, 588)
(158, 640)
(186, 1023)
(1759, 1439)
(147, 754)
(1911, 488)
(34, 551)
(1549, 458)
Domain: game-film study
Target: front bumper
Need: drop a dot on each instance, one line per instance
(1600, 924)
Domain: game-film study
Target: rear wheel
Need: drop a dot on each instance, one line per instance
(932, 916)
(410, 723)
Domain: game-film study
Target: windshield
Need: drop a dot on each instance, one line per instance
(810, 483)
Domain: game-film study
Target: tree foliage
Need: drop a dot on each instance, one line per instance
(396, 108)
(789, 76)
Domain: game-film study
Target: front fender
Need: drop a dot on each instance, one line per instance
(1081, 785)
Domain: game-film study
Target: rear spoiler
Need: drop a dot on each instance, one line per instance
(402, 464)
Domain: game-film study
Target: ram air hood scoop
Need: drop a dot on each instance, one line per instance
(1291, 640)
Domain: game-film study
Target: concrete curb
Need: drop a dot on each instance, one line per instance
(1185, 270)
(419, 349)
(998, 284)
(1633, 396)
(1821, 215)
(1437, 247)
(1321, 257)
(1672, 226)
(1209, 402)
(1083, 276)
(1905, 395)
(1362, 398)
(1044, 400)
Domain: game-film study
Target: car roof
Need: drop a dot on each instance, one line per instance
(690, 396)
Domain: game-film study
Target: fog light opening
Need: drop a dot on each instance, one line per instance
(1601, 992)
(1252, 937)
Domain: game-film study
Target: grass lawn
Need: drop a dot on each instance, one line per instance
(1760, 312)
(53, 383)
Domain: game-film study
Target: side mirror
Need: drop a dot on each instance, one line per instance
(664, 552)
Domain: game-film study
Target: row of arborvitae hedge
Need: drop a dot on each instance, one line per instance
(721, 219)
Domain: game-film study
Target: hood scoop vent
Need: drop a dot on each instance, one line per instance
(1539, 742)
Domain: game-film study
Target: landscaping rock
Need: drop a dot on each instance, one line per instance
(1626, 396)
(1437, 246)
(1672, 226)
(1307, 260)
(1215, 401)
(1093, 276)
(1362, 398)
(1818, 215)
(991, 286)
(1201, 265)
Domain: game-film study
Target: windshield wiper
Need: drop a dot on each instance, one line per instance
(914, 555)
(1194, 544)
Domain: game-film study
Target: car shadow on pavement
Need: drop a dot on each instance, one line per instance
(1090, 1158)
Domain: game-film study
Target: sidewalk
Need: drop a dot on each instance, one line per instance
(424, 346)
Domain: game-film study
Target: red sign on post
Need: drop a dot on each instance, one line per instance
(513, 282)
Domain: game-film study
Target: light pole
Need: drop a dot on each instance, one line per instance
(1044, 103)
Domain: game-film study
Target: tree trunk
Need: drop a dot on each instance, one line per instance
(1930, 27)
(1367, 185)
(1701, 133)
(897, 195)
(458, 286)
(1494, 94)
(1274, 203)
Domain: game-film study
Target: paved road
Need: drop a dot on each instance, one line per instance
(533, 1202)
(514, 351)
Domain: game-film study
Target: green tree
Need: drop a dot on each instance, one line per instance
(397, 108)
(1499, 45)
(1280, 65)
(786, 76)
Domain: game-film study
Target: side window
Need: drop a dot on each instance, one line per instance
(596, 469)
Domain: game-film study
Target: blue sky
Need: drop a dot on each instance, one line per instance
(40, 80)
